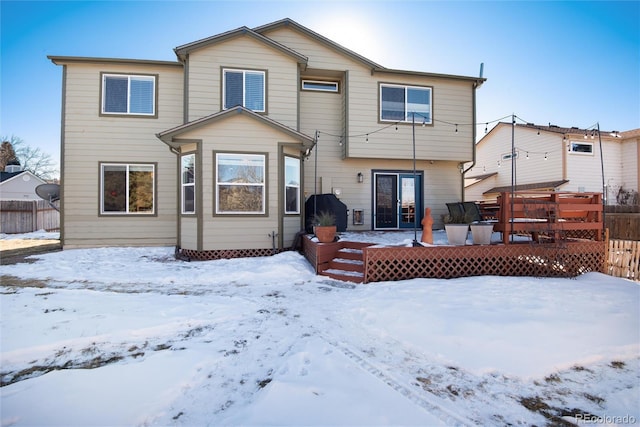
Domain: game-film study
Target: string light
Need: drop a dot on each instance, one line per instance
(514, 117)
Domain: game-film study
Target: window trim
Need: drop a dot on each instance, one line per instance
(103, 213)
(407, 115)
(298, 187)
(244, 71)
(189, 184)
(581, 153)
(326, 83)
(264, 185)
(103, 113)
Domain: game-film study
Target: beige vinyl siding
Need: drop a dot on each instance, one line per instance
(188, 232)
(387, 150)
(205, 77)
(452, 102)
(90, 139)
(290, 226)
(319, 55)
(239, 134)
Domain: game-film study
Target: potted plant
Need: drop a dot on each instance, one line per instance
(457, 228)
(324, 226)
(481, 232)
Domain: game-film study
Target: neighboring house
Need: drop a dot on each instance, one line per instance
(217, 152)
(16, 184)
(551, 158)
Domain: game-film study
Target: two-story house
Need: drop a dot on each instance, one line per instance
(216, 153)
(554, 158)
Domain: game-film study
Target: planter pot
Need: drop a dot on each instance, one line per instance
(325, 234)
(457, 233)
(481, 233)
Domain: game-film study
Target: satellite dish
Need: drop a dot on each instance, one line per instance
(49, 192)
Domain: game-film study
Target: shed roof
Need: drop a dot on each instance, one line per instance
(533, 186)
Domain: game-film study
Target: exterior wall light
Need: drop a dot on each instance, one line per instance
(360, 178)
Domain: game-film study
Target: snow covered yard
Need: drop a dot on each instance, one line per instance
(131, 336)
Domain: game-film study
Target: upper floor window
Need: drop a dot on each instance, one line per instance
(398, 103)
(581, 147)
(320, 86)
(240, 183)
(128, 94)
(243, 87)
(127, 188)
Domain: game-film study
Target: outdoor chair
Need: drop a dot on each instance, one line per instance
(456, 209)
(470, 208)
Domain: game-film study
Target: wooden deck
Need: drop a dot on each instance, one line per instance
(367, 262)
(567, 240)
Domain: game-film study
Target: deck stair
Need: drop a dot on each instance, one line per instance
(346, 265)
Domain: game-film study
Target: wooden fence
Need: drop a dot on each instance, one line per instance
(25, 216)
(623, 226)
(624, 259)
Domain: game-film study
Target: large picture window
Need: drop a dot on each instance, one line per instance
(292, 185)
(127, 188)
(398, 103)
(240, 183)
(188, 182)
(245, 88)
(128, 94)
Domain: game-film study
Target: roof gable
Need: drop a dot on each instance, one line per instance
(182, 51)
(11, 176)
(169, 136)
(289, 23)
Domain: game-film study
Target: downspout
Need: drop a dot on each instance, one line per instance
(473, 140)
(177, 249)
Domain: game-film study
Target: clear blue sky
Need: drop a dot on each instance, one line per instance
(566, 63)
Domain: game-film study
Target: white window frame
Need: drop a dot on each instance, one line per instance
(262, 184)
(244, 88)
(294, 186)
(185, 185)
(572, 150)
(127, 195)
(407, 111)
(320, 86)
(151, 78)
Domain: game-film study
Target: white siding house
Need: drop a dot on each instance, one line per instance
(553, 158)
(19, 185)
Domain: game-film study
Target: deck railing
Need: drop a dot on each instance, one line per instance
(552, 216)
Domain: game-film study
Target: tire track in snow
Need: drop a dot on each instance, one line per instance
(424, 401)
